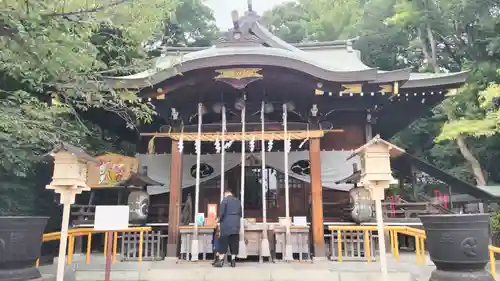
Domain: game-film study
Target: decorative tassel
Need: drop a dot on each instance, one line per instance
(151, 145)
(288, 256)
(194, 242)
(265, 251)
(242, 251)
(223, 154)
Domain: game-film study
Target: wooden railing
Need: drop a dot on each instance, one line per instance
(358, 242)
(89, 232)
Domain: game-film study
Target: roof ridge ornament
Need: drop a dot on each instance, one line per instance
(240, 33)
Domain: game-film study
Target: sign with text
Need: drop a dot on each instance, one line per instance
(238, 78)
(109, 218)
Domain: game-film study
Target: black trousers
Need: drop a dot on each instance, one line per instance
(232, 241)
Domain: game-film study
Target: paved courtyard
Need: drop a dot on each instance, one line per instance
(405, 270)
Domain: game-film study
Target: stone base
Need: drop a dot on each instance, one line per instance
(46, 277)
(20, 274)
(441, 275)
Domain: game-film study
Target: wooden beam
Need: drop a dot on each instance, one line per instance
(237, 136)
(317, 198)
(174, 207)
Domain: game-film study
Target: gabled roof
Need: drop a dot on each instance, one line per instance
(78, 152)
(394, 150)
(250, 43)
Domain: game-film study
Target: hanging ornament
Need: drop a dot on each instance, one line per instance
(180, 145)
(251, 144)
(197, 145)
(288, 146)
(217, 145)
(306, 139)
(269, 145)
(228, 144)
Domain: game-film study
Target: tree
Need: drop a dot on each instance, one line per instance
(51, 53)
(287, 21)
(192, 24)
(428, 35)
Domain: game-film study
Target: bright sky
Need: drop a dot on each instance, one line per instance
(222, 9)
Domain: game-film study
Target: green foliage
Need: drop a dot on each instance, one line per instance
(487, 125)
(52, 49)
(192, 24)
(427, 35)
(287, 21)
(495, 222)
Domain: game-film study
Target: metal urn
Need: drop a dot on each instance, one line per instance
(20, 246)
(458, 246)
(361, 205)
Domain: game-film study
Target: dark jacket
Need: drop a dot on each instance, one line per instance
(230, 216)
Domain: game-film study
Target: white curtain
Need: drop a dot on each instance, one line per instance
(334, 167)
(159, 168)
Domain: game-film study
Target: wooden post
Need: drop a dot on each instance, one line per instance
(174, 208)
(317, 198)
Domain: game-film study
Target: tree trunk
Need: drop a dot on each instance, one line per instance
(432, 42)
(475, 165)
(477, 171)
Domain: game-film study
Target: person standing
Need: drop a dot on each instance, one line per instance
(230, 220)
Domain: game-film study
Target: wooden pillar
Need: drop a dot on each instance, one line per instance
(174, 208)
(317, 199)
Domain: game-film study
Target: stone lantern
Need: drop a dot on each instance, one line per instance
(69, 179)
(376, 176)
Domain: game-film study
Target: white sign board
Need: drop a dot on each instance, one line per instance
(111, 218)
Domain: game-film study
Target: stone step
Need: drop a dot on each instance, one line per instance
(242, 273)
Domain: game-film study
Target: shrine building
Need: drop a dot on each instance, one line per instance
(275, 123)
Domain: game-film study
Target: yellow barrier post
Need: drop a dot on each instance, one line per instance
(396, 245)
(422, 251)
(339, 245)
(105, 243)
(493, 262)
(71, 248)
(141, 240)
(391, 240)
(115, 243)
(89, 248)
(367, 246)
(417, 248)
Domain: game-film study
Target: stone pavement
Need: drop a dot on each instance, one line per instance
(405, 270)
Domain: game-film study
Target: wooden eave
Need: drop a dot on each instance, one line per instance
(247, 136)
